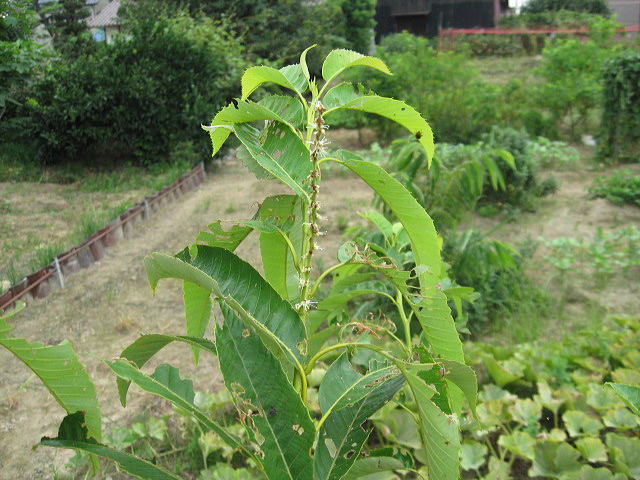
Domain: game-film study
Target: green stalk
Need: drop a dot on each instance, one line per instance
(405, 321)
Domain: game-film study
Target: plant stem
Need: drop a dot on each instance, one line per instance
(311, 215)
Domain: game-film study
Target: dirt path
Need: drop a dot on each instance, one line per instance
(104, 308)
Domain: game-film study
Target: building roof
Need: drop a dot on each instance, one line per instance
(108, 16)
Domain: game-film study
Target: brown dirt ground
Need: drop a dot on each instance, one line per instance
(104, 308)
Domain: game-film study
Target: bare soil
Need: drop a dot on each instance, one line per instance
(104, 308)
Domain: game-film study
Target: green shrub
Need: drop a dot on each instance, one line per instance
(135, 99)
(571, 88)
(493, 45)
(441, 85)
(599, 7)
(620, 125)
(620, 188)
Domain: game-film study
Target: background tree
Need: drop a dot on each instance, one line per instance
(360, 17)
(589, 6)
(68, 26)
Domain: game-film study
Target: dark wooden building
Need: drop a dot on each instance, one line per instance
(428, 17)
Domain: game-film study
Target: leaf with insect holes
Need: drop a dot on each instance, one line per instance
(347, 96)
(347, 399)
(236, 284)
(73, 434)
(432, 311)
(60, 371)
(438, 430)
(166, 383)
(281, 153)
(266, 400)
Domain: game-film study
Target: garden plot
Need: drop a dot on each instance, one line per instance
(103, 309)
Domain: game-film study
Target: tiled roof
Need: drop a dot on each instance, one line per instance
(108, 16)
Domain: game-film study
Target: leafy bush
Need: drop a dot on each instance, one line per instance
(269, 340)
(494, 270)
(493, 45)
(620, 188)
(550, 18)
(620, 125)
(599, 7)
(441, 85)
(571, 89)
(544, 407)
(137, 98)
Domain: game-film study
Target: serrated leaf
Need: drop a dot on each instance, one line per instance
(630, 394)
(73, 434)
(339, 60)
(381, 222)
(394, 110)
(439, 431)
(227, 239)
(266, 400)
(286, 77)
(347, 399)
(283, 154)
(286, 107)
(236, 114)
(621, 418)
(433, 311)
(166, 383)
(60, 371)
(239, 286)
(587, 472)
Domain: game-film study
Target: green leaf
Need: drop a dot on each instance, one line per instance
(227, 239)
(554, 460)
(239, 286)
(286, 107)
(339, 60)
(277, 260)
(630, 394)
(283, 154)
(623, 452)
(621, 418)
(146, 346)
(239, 113)
(472, 455)
(592, 449)
(587, 472)
(465, 378)
(73, 433)
(344, 96)
(266, 400)
(61, 372)
(381, 222)
(287, 77)
(519, 443)
(433, 311)
(166, 383)
(347, 399)
(197, 310)
(579, 423)
(371, 465)
(526, 411)
(439, 431)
